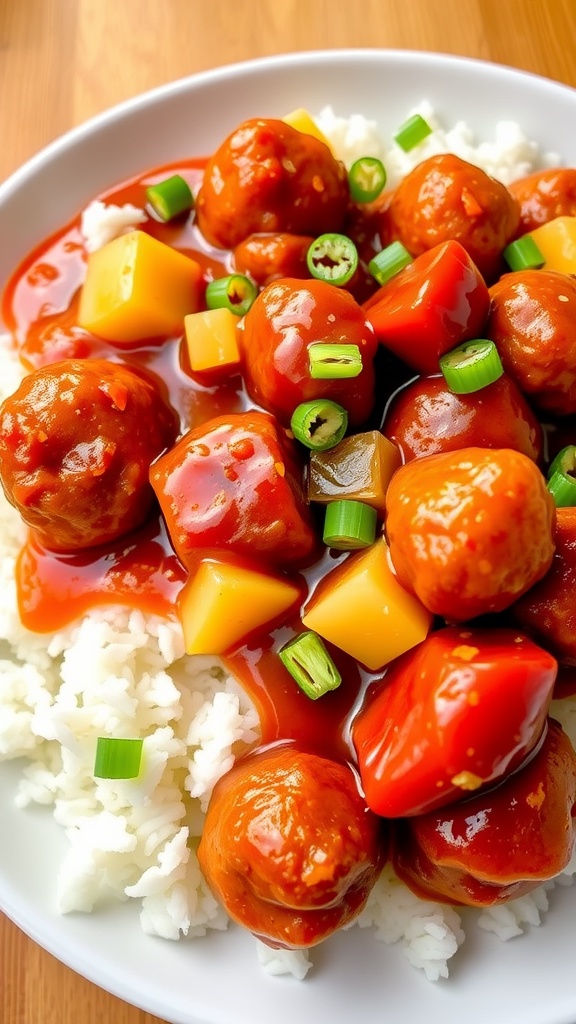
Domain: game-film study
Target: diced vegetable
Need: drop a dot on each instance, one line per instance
(562, 477)
(349, 525)
(319, 424)
(412, 132)
(360, 467)
(332, 258)
(523, 254)
(212, 342)
(137, 287)
(224, 602)
(333, 362)
(117, 758)
(310, 664)
(433, 304)
(389, 262)
(303, 121)
(235, 292)
(556, 241)
(171, 197)
(471, 366)
(366, 179)
(361, 608)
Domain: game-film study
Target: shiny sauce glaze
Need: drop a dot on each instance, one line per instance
(141, 570)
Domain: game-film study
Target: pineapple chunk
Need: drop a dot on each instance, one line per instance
(224, 602)
(137, 287)
(362, 608)
(557, 243)
(304, 122)
(211, 341)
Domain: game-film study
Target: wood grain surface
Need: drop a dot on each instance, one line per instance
(62, 61)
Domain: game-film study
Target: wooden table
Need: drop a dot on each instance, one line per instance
(62, 61)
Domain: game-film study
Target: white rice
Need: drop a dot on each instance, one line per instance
(101, 222)
(508, 156)
(119, 672)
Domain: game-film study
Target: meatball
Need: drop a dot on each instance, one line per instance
(470, 531)
(446, 197)
(268, 176)
(545, 195)
(235, 482)
(76, 442)
(532, 322)
(500, 844)
(426, 417)
(548, 610)
(289, 847)
(288, 317)
(266, 257)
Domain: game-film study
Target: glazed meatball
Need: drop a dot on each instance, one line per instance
(470, 531)
(289, 847)
(267, 176)
(532, 322)
(545, 195)
(288, 317)
(446, 197)
(426, 417)
(266, 257)
(501, 844)
(548, 610)
(76, 442)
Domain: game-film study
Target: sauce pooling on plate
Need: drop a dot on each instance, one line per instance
(358, 545)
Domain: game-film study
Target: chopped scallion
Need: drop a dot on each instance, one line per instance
(332, 258)
(471, 366)
(331, 362)
(349, 525)
(366, 179)
(412, 132)
(170, 198)
(235, 292)
(389, 262)
(523, 254)
(310, 664)
(562, 477)
(117, 758)
(319, 424)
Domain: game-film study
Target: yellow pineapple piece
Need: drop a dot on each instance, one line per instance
(225, 602)
(137, 287)
(362, 608)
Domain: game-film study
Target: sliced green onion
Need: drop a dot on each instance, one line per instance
(562, 477)
(331, 362)
(523, 254)
(332, 258)
(471, 366)
(170, 198)
(389, 262)
(319, 424)
(412, 132)
(349, 525)
(117, 758)
(235, 292)
(366, 179)
(309, 663)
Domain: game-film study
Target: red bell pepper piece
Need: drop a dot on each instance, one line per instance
(458, 712)
(430, 307)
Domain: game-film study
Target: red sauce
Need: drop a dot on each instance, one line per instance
(138, 570)
(141, 570)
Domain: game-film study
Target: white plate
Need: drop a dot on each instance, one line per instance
(531, 980)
